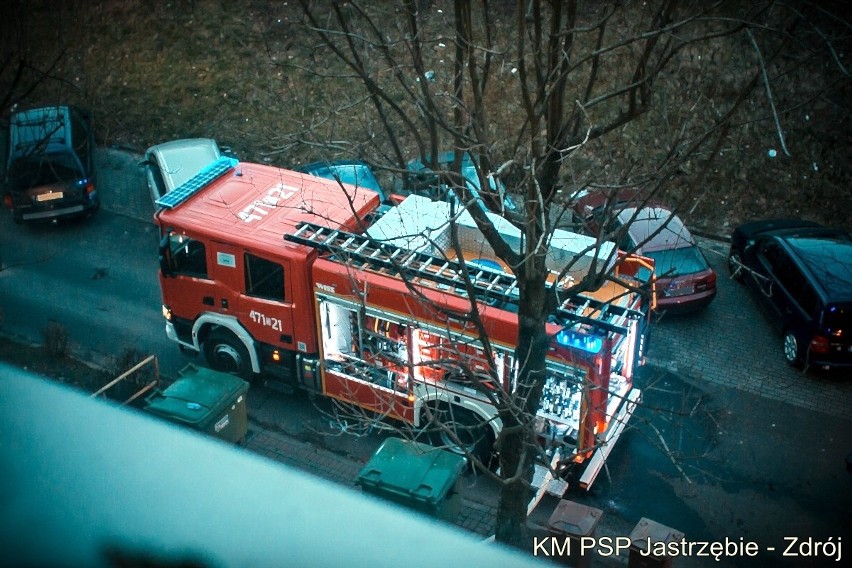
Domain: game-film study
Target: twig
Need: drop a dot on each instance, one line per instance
(769, 94)
(669, 453)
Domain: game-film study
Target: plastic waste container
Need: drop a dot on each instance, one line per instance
(416, 475)
(205, 400)
(576, 522)
(648, 532)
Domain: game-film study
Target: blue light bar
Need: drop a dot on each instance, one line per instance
(574, 340)
(184, 191)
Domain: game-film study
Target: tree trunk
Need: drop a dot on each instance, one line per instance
(515, 494)
(518, 445)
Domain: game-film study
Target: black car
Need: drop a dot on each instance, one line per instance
(50, 166)
(801, 273)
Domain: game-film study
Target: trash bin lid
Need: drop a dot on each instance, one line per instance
(197, 394)
(574, 519)
(412, 471)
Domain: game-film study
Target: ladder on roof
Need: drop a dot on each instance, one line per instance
(362, 250)
(191, 186)
(497, 286)
(608, 316)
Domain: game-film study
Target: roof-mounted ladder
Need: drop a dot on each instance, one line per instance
(607, 314)
(500, 288)
(384, 257)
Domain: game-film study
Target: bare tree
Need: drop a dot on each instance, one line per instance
(554, 97)
(21, 72)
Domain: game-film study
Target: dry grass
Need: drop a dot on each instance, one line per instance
(249, 74)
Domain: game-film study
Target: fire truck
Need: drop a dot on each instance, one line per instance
(313, 284)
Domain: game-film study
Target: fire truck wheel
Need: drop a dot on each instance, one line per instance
(472, 434)
(225, 352)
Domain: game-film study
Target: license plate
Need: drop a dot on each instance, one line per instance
(49, 196)
(670, 292)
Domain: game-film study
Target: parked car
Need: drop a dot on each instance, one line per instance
(354, 172)
(50, 166)
(170, 164)
(801, 273)
(422, 180)
(685, 280)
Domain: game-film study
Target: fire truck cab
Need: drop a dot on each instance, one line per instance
(313, 285)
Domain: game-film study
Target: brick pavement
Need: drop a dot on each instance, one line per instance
(122, 185)
(476, 516)
(731, 345)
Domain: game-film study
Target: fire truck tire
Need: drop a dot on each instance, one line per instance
(225, 352)
(475, 436)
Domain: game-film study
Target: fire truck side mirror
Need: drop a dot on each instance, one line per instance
(165, 261)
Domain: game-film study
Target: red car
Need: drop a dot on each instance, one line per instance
(685, 280)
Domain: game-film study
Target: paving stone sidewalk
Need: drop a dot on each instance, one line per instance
(731, 345)
(475, 516)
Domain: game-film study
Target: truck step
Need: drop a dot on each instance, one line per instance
(555, 486)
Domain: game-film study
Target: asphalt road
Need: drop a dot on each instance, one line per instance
(729, 443)
(94, 277)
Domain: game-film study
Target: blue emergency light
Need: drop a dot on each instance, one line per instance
(576, 340)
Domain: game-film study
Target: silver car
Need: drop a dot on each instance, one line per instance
(170, 164)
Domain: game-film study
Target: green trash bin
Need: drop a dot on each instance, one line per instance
(205, 400)
(419, 476)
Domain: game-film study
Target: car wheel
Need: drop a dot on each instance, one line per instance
(225, 352)
(735, 266)
(792, 349)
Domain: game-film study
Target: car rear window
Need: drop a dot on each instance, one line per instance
(829, 259)
(678, 262)
(34, 171)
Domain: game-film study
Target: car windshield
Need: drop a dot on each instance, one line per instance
(358, 174)
(670, 263)
(468, 172)
(33, 171)
(496, 186)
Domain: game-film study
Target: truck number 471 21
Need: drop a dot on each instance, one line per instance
(263, 319)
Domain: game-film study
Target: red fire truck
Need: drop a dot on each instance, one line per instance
(317, 285)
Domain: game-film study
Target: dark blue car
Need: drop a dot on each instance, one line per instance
(50, 166)
(801, 274)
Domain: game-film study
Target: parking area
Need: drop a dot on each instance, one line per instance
(731, 345)
(744, 441)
